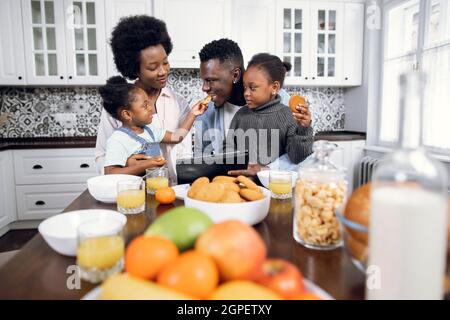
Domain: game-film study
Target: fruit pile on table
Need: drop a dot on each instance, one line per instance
(183, 255)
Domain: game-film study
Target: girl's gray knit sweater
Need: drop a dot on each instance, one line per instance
(268, 132)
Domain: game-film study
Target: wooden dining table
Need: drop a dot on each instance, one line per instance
(38, 272)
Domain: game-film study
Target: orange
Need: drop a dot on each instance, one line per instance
(193, 273)
(294, 101)
(165, 195)
(145, 256)
(306, 296)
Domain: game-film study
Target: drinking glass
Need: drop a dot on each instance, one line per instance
(131, 196)
(280, 184)
(156, 179)
(100, 249)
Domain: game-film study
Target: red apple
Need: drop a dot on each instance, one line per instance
(282, 277)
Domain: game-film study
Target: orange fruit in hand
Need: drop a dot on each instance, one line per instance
(294, 101)
(165, 195)
(193, 273)
(146, 256)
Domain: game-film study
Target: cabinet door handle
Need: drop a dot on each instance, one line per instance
(20, 78)
(193, 57)
(70, 77)
(306, 78)
(346, 78)
(40, 203)
(84, 165)
(61, 77)
(37, 167)
(314, 78)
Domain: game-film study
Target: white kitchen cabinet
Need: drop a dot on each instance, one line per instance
(49, 166)
(116, 9)
(85, 41)
(64, 41)
(293, 30)
(323, 40)
(253, 27)
(48, 180)
(192, 24)
(43, 201)
(7, 190)
(12, 68)
(43, 27)
(353, 44)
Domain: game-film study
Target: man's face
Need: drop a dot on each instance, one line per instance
(217, 80)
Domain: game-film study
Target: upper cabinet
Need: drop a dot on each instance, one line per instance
(115, 10)
(253, 26)
(322, 40)
(12, 68)
(85, 41)
(192, 24)
(64, 41)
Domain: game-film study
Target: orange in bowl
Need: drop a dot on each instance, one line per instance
(295, 100)
(165, 195)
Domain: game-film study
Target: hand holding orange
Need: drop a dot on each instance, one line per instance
(294, 101)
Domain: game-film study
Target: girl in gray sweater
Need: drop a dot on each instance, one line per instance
(265, 126)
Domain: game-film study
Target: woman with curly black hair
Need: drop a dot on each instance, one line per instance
(141, 46)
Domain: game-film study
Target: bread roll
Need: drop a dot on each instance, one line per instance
(357, 210)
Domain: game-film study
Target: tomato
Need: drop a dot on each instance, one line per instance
(193, 273)
(282, 277)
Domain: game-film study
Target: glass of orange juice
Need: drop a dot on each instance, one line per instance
(100, 249)
(280, 184)
(131, 196)
(156, 179)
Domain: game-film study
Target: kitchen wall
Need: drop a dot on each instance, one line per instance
(75, 111)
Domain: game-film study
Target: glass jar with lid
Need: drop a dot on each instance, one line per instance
(320, 190)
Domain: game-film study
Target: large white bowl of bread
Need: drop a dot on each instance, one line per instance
(227, 198)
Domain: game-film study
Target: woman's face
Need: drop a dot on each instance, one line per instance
(258, 90)
(154, 67)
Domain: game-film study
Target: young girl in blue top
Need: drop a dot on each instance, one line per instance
(138, 134)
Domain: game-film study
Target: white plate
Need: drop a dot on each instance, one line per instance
(95, 293)
(181, 190)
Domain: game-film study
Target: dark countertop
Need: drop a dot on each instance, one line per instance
(47, 143)
(340, 135)
(89, 142)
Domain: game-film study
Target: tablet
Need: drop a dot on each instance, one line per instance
(210, 166)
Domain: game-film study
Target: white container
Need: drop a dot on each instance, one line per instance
(104, 188)
(408, 222)
(251, 212)
(60, 231)
(411, 224)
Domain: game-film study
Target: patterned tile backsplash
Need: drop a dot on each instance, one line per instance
(75, 111)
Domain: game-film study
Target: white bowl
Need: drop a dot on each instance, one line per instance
(104, 188)
(251, 212)
(263, 176)
(60, 231)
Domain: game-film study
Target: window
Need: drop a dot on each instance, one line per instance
(417, 37)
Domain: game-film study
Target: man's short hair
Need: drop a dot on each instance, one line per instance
(225, 50)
